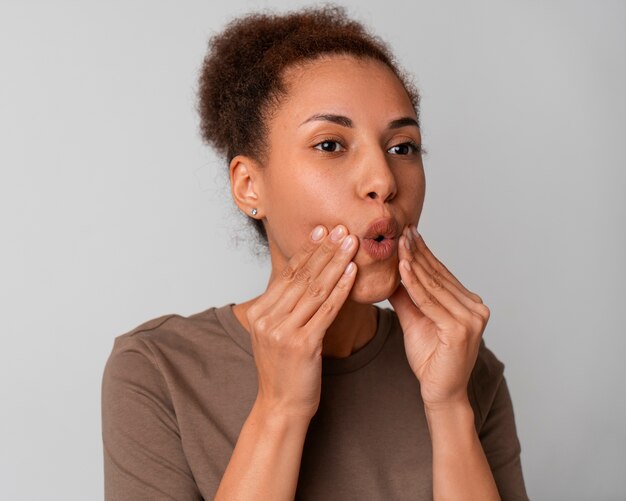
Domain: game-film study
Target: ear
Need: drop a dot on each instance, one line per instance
(246, 184)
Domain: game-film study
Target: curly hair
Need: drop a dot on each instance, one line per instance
(240, 80)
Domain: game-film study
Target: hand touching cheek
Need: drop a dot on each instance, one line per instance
(442, 321)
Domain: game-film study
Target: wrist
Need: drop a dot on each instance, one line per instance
(461, 407)
(452, 419)
(275, 415)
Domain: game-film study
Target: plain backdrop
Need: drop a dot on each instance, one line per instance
(114, 212)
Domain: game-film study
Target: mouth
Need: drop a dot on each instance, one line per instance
(382, 229)
(380, 248)
(381, 238)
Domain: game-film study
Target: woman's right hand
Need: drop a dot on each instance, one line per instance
(289, 320)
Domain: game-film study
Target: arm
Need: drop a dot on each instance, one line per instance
(143, 454)
(460, 467)
(498, 436)
(266, 460)
(443, 323)
(460, 453)
(287, 327)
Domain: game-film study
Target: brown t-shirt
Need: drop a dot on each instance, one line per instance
(177, 390)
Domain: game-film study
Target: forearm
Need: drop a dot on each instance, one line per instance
(266, 460)
(460, 468)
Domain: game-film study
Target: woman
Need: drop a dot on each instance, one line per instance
(310, 391)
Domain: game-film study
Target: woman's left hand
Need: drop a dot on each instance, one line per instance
(442, 321)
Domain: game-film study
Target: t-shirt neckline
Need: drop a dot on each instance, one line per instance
(355, 361)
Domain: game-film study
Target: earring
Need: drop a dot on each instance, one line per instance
(254, 211)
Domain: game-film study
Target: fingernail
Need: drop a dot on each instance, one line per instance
(347, 243)
(317, 233)
(337, 233)
(407, 244)
(415, 232)
(350, 268)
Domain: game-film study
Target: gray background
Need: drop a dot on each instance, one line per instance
(114, 212)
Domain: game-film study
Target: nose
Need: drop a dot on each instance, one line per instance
(378, 181)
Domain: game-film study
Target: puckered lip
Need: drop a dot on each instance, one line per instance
(387, 227)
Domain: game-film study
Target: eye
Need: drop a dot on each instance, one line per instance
(406, 148)
(328, 145)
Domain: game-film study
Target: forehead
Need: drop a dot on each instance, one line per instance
(346, 84)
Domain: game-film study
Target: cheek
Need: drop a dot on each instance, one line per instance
(412, 191)
(298, 203)
(317, 198)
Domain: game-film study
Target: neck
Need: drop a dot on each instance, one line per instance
(354, 326)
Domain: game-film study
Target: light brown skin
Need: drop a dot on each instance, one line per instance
(312, 308)
(301, 186)
(364, 176)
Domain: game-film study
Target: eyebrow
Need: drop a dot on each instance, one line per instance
(346, 122)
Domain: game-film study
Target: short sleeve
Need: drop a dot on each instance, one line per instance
(143, 455)
(498, 436)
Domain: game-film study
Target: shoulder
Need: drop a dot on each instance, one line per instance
(140, 411)
(164, 344)
(171, 331)
(137, 338)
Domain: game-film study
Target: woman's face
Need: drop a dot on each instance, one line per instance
(351, 170)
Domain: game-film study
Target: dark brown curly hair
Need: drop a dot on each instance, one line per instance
(240, 81)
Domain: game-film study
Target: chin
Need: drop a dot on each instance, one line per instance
(374, 287)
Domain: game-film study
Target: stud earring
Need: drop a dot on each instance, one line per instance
(254, 211)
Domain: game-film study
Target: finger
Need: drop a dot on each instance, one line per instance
(414, 254)
(319, 290)
(277, 287)
(479, 309)
(319, 323)
(432, 299)
(439, 266)
(443, 295)
(403, 305)
(305, 279)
